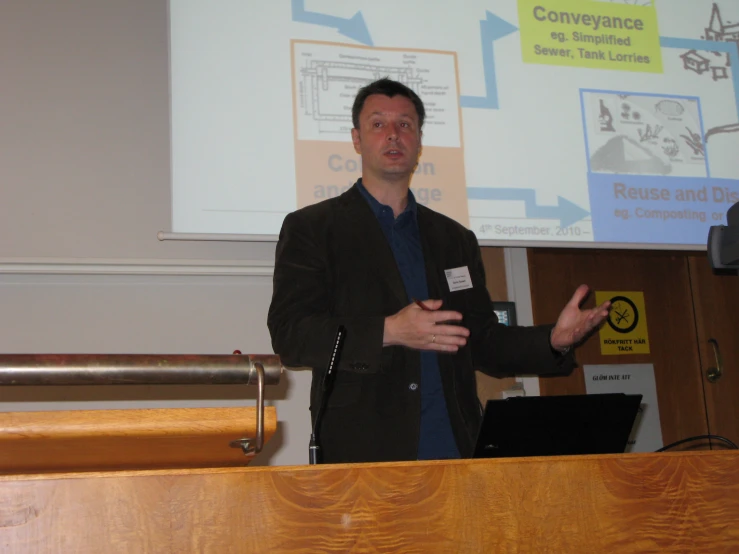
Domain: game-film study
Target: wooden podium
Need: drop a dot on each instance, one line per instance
(163, 481)
(671, 502)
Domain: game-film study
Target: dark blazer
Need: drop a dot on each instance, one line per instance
(334, 266)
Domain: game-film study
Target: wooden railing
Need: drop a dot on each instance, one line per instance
(134, 439)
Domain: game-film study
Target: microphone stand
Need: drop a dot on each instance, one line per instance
(314, 448)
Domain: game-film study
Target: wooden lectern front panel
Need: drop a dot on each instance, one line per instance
(685, 502)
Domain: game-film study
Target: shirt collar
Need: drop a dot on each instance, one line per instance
(378, 208)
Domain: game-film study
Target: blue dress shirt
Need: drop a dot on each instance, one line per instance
(436, 440)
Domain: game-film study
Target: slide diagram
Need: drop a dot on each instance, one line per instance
(326, 79)
(644, 134)
(633, 139)
(332, 74)
(325, 86)
(660, 183)
(589, 121)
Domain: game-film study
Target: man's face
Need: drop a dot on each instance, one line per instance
(388, 138)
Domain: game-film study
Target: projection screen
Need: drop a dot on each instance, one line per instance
(552, 122)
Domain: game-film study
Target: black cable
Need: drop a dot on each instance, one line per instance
(699, 437)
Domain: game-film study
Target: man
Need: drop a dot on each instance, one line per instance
(374, 261)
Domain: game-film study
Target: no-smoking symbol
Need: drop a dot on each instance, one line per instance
(623, 316)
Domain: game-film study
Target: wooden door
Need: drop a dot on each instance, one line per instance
(716, 301)
(664, 278)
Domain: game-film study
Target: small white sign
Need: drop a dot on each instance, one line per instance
(646, 436)
(458, 278)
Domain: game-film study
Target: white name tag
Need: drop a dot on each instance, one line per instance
(458, 278)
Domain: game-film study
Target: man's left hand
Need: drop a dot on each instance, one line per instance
(574, 324)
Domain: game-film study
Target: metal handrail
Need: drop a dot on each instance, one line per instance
(136, 369)
(148, 369)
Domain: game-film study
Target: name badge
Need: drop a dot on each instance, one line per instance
(458, 278)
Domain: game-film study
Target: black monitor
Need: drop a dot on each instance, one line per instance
(557, 425)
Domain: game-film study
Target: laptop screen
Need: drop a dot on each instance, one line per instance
(556, 425)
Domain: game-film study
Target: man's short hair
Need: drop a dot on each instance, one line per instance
(386, 87)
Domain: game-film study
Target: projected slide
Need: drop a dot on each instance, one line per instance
(569, 121)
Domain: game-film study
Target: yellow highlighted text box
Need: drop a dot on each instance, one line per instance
(598, 35)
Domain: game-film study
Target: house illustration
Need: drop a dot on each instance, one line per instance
(717, 30)
(695, 62)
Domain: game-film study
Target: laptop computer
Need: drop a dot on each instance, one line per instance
(557, 425)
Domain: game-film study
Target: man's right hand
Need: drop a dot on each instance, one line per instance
(427, 329)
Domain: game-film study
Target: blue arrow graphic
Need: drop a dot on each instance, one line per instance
(567, 212)
(354, 28)
(711, 46)
(491, 29)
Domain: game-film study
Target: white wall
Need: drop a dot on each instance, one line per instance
(84, 148)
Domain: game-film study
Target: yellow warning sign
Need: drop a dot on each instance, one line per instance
(625, 330)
